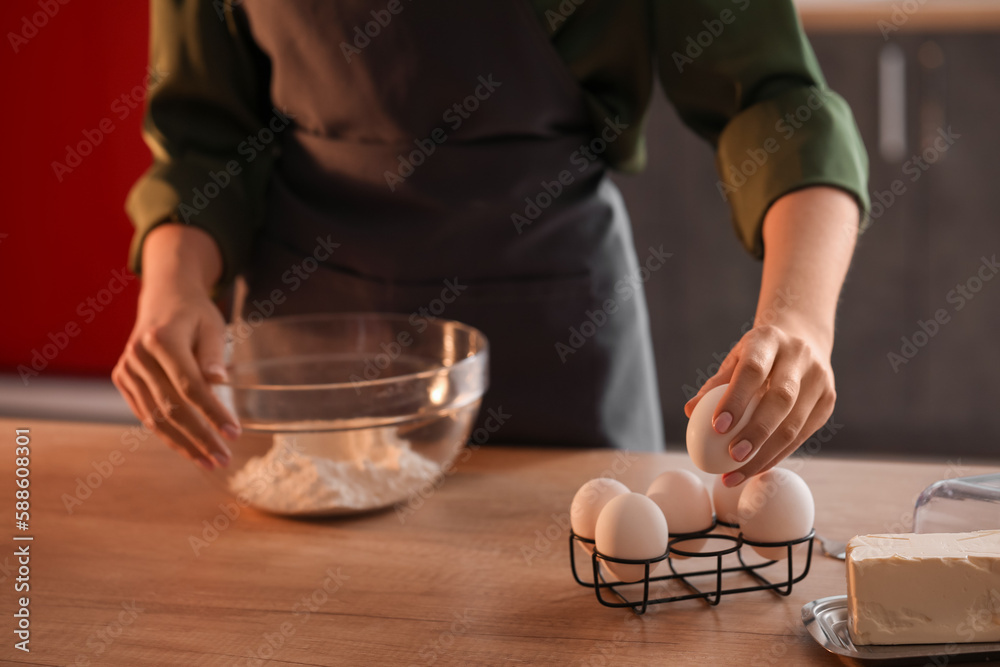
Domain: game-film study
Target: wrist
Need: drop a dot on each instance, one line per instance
(817, 330)
(164, 289)
(180, 259)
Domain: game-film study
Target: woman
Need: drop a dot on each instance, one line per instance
(372, 156)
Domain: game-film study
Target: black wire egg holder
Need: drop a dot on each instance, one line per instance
(712, 597)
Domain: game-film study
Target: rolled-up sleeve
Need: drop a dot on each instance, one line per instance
(742, 75)
(206, 102)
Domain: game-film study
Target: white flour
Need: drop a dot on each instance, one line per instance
(334, 471)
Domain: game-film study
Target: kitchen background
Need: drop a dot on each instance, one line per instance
(918, 349)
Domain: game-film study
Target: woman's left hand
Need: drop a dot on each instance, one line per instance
(790, 369)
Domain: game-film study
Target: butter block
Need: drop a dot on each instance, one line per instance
(932, 588)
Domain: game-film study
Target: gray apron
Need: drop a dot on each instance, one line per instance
(440, 148)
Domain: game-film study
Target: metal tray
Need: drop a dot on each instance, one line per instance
(826, 621)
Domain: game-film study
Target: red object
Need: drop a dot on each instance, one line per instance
(74, 74)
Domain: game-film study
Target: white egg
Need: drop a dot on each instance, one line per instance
(776, 506)
(710, 450)
(631, 526)
(588, 502)
(726, 500)
(685, 504)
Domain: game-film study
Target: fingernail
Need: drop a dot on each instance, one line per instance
(203, 462)
(733, 479)
(231, 431)
(723, 422)
(741, 450)
(221, 459)
(218, 371)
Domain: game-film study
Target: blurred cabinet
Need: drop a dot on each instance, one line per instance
(961, 90)
(903, 293)
(937, 204)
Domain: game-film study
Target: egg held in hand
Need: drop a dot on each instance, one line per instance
(710, 450)
(631, 526)
(776, 506)
(588, 502)
(685, 504)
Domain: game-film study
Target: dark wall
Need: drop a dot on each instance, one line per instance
(944, 398)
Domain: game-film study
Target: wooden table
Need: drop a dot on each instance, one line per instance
(476, 575)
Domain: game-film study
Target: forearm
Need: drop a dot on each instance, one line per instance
(809, 237)
(180, 257)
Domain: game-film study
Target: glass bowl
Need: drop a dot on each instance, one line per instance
(346, 413)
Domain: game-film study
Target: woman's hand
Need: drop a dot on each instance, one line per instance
(808, 237)
(791, 371)
(177, 347)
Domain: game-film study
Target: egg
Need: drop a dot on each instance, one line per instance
(726, 500)
(631, 526)
(710, 450)
(776, 506)
(685, 504)
(588, 502)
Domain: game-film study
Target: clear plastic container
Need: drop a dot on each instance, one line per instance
(959, 505)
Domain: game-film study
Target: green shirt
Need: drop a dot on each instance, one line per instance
(740, 73)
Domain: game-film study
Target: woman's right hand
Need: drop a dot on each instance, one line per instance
(176, 348)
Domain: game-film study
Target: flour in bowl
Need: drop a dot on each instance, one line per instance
(339, 471)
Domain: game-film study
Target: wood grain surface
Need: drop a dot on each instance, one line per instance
(476, 574)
